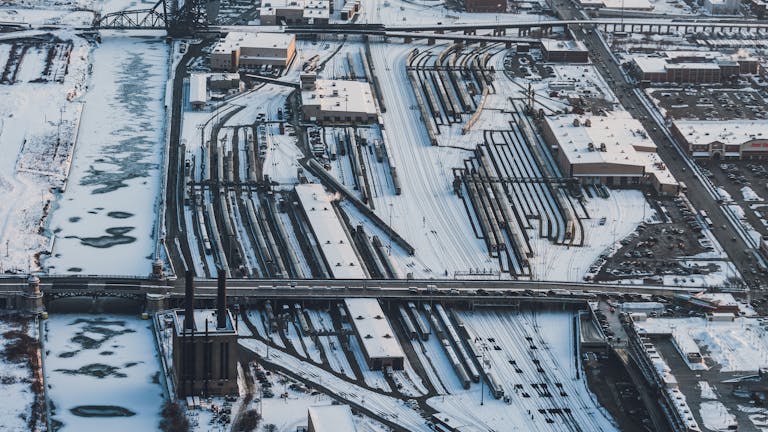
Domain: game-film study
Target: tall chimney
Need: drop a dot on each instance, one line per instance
(221, 301)
(189, 301)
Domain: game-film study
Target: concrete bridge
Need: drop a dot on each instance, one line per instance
(15, 291)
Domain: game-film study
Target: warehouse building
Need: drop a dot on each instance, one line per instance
(330, 418)
(722, 7)
(250, 50)
(326, 101)
(696, 67)
(564, 51)
(340, 256)
(380, 346)
(288, 12)
(723, 139)
(614, 150)
(198, 91)
(634, 5)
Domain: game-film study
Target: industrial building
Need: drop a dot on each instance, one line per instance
(287, 12)
(350, 10)
(486, 5)
(327, 101)
(204, 346)
(722, 7)
(198, 91)
(564, 51)
(339, 254)
(250, 50)
(723, 139)
(631, 5)
(380, 346)
(330, 418)
(613, 149)
(695, 67)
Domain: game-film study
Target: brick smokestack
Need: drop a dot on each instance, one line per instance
(189, 301)
(221, 300)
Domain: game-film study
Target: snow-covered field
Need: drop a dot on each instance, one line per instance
(103, 372)
(16, 382)
(38, 124)
(105, 221)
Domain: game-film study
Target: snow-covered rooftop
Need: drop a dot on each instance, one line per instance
(562, 45)
(235, 40)
(198, 91)
(372, 326)
(615, 139)
(723, 131)
(341, 96)
(201, 316)
(331, 418)
(331, 236)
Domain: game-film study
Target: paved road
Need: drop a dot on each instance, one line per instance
(678, 164)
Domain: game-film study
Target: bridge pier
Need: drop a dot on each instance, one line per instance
(407, 40)
(32, 298)
(430, 41)
(155, 302)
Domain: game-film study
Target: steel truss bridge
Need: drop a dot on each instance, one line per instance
(168, 15)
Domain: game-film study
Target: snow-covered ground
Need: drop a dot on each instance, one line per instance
(16, 382)
(388, 407)
(738, 345)
(105, 221)
(38, 124)
(501, 338)
(102, 365)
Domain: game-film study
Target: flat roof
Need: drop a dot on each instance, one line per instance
(332, 418)
(651, 64)
(628, 4)
(373, 327)
(331, 236)
(235, 40)
(723, 131)
(201, 315)
(310, 8)
(340, 96)
(198, 88)
(626, 142)
(552, 45)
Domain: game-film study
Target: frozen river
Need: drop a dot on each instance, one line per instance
(104, 222)
(103, 373)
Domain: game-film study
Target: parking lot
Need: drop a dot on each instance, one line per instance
(712, 104)
(658, 249)
(746, 184)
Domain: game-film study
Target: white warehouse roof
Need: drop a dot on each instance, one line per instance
(331, 236)
(198, 88)
(723, 131)
(332, 418)
(235, 40)
(621, 134)
(372, 326)
(341, 96)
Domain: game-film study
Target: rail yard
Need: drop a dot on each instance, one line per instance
(383, 216)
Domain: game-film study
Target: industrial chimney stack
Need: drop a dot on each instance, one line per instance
(221, 301)
(189, 301)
